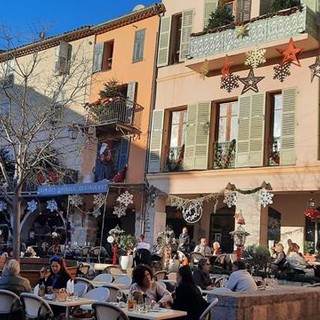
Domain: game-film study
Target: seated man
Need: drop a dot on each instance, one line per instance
(240, 279)
(203, 248)
(201, 275)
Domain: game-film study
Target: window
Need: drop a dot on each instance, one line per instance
(57, 107)
(63, 58)
(243, 10)
(226, 134)
(103, 56)
(177, 129)
(7, 79)
(174, 50)
(138, 45)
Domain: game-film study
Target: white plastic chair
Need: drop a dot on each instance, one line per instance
(206, 313)
(103, 277)
(113, 291)
(9, 303)
(104, 310)
(34, 306)
(162, 284)
(124, 280)
(80, 288)
(98, 294)
(89, 284)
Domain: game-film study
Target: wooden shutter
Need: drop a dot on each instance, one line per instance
(209, 7)
(138, 45)
(131, 96)
(243, 10)
(164, 42)
(156, 141)
(97, 57)
(313, 5)
(186, 30)
(123, 154)
(197, 136)
(63, 57)
(287, 139)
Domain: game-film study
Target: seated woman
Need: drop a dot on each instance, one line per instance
(59, 274)
(279, 261)
(142, 281)
(188, 296)
(201, 275)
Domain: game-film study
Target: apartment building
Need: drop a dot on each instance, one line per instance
(235, 128)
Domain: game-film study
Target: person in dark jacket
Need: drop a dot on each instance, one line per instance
(59, 275)
(201, 275)
(188, 296)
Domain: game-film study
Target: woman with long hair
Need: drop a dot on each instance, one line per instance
(59, 274)
(187, 295)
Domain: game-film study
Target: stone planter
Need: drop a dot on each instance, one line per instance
(126, 262)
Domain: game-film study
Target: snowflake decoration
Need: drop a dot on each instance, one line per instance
(192, 212)
(255, 58)
(230, 198)
(52, 205)
(3, 206)
(230, 82)
(99, 200)
(266, 197)
(282, 71)
(119, 211)
(75, 200)
(125, 198)
(32, 206)
(96, 213)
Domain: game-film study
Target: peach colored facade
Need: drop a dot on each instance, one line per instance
(180, 85)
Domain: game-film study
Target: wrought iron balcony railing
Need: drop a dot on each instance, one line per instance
(274, 152)
(174, 160)
(224, 155)
(263, 29)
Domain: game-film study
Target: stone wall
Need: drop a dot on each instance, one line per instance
(281, 303)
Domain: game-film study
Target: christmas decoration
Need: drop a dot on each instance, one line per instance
(312, 213)
(75, 200)
(255, 58)
(266, 197)
(230, 198)
(96, 213)
(225, 70)
(3, 206)
(125, 198)
(239, 218)
(52, 205)
(315, 68)
(242, 31)
(32, 206)
(192, 212)
(119, 211)
(250, 82)
(99, 200)
(230, 82)
(204, 70)
(290, 53)
(282, 71)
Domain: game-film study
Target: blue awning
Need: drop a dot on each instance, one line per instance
(68, 189)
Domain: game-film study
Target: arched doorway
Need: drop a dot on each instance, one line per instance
(221, 224)
(274, 227)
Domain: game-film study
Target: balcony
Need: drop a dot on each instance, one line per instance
(224, 155)
(113, 115)
(270, 31)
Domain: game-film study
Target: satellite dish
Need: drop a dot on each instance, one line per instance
(138, 7)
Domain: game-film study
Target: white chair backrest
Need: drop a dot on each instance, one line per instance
(160, 275)
(113, 292)
(84, 280)
(115, 271)
(34, 306)
(99, 294)
(162, 284)
(36, 290)
(103, 277)
(206, 313)
(124, 280)
(80, 288)
(104, 310)
(9, 301)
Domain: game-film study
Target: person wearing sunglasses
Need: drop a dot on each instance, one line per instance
(201, 275)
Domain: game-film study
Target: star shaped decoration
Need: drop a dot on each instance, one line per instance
(315, 68)
(242, 31)
(250, 82)
(225, 70)
(291, 53)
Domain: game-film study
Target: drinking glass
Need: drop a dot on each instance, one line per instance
(147, 302)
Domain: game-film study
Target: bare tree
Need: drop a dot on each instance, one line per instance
(39, 100)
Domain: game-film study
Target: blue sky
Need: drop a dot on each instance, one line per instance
(25, 19)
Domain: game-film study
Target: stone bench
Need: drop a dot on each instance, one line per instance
(281, 303)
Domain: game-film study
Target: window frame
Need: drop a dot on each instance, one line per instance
(138, 46)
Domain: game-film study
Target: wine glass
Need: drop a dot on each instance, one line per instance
(119, 296)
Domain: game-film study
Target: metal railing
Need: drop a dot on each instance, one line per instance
(224, 155)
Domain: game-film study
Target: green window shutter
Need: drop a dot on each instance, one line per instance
(197, 136)
(164, 42)
(156, 141)
(250, 140)
(138, 45)
(257, 129)
(243, 140)
(312, 4)
(186, 30)
(131, 96)
(97, 57)
(287, 140)
(209, 6)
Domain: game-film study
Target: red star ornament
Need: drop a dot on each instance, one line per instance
(225, 70)
(290, 54)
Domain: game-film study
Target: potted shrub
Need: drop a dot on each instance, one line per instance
(257, 258)
(126, 243)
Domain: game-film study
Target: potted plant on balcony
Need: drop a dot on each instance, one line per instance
(278, 5)
(219, 18)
